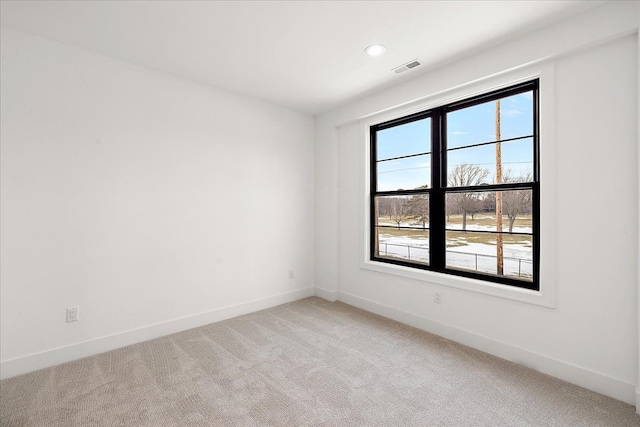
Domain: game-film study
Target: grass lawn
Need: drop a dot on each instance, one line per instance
(488, 220)
(460, 238)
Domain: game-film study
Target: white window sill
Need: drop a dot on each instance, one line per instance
(465, 283)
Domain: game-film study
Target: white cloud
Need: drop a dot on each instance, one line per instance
(512, 112)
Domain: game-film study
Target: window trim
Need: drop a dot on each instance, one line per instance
(547, 272)
(440, 188)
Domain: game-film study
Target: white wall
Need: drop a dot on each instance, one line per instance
(326, 211)
(591, 336)
(638, 261)
(141, 198)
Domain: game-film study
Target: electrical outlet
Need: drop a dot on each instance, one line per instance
(73, 314)
(437, 298)
(290, 274)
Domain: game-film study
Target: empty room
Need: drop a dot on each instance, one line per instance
(319, 213)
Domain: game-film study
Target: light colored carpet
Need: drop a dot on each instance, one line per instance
(307, 363)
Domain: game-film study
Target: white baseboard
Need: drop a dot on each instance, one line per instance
(33, 362)
(582, 377)
(327, 294)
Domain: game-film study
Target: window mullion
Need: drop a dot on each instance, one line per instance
(373, 247)
(437, 243)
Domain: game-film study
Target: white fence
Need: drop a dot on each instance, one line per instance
(514, 267)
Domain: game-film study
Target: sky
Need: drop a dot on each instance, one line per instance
(465, 127)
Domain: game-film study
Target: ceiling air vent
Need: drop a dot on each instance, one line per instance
(409, 65)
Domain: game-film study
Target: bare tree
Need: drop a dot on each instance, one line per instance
(483, 202)
(516, 202)
(383, 207)
(418, 207)
(398, 209)
(474, 207)
(465, 175)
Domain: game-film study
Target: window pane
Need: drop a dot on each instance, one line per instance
(477, 165)
(403, 244)
(477, 124)
(404, 174)
(404, 140)
(517, 160)
(476, 211)
(478, 252)
(402, 211)
(487, 147)
(516, 115)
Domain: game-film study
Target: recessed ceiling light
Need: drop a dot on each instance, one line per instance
(375, 50)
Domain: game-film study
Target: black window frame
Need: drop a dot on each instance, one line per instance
(439, 189)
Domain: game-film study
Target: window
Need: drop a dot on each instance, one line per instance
(455, 189)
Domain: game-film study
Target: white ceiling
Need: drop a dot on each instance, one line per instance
(305, 55)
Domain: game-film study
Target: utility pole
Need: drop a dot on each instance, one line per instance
(499, 249)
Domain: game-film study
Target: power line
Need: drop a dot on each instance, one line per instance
(475, 164)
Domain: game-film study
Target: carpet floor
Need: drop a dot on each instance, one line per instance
(307, 363)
